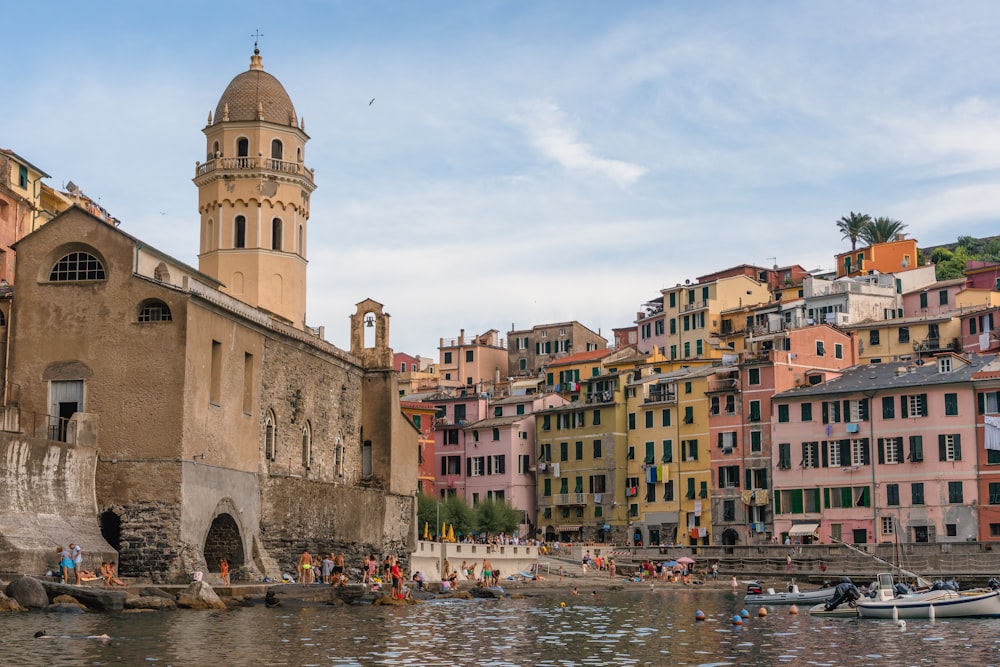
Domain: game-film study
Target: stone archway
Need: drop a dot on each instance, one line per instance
(111, 528)
(224, 541)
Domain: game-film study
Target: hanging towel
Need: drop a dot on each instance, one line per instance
(992, 432)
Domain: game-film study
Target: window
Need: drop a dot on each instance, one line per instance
(579, 450)
(77, 266)
(955, 495)
(784, 455)
(888, 407)
(782, 413)
(547, 486)
(703, 490)
(631, 421)
(873, 337)
(22, 176)
(892, 494)
(276, 234)
(810, 454)
(496, 434)
(687, 387)
(597, 417)
(689, 415)
(650, 492)
(668, 451)
(240, 232)
(469, 355)
(649, 418)
(943, 297)
(270, 449)
(950, 447)
(755, 442)
(913, 405)
(951, 405)
(668, 490)
(838, 351)
(944, 364)
(729, 477)
(665, 417)
(215, 382)
(631, 454)
(727, 441)
(154, 310)
(597, 449)
(242, 147)
(729, 510)
(859, 452)
(857, 410)
(690, 488)
(689, 450)
(447, 360)
(888, 525)
(650, 455)
(917, 493)
(916, 448)
(833, 453)
(598, 484)
(754, 411)
(248, 383)
(904, 334)
(564, 451)
(807, 412)
(994, 493)
(890, 450)
(307, 455)
(820, 350)
(753, 376)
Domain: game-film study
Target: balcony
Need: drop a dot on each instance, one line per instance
(662, 396)
(601, 397)
(697, 305)
(572, 498)
(257, 163)
(722, 384)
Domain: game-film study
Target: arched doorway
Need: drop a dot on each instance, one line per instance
(111, 529)
(224, 541)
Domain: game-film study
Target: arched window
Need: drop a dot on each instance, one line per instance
(154, 310)
(161, 273)
(276, 149)
(242, 147)
(240, 232)
(215, 150)
(77, 266)
(302, 240)
(276, 234)
(210, 234)
(298, 154)
(270, 445)
(307, 453)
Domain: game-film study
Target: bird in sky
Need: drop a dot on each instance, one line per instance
(372, 102)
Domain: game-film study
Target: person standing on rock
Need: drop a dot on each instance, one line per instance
(76, 553)
(339, 572)
(305, 568)
(224, 571)
(65, 563)
(326, 568)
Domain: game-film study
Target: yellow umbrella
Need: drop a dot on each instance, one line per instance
(427, 530)
(451, 533)
(444, 531)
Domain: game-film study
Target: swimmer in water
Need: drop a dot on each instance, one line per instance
(41, 634)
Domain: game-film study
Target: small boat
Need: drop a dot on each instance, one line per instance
(982, 602)
(791, 595)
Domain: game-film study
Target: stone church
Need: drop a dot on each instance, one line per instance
(224, 425)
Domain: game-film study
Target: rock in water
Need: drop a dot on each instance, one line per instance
(199, 595)
(28, 592)
(9, 604)
(150, 602)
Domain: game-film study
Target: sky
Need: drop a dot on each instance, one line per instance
(529, 162)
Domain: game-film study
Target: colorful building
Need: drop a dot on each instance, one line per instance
(890, 257)
(477, 364)
(532, 349)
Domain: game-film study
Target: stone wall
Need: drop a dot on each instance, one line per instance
(47, 500)
(299, 514)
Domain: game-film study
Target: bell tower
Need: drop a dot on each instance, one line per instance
(253, 196)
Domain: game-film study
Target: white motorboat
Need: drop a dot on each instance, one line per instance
(929, 604)
(791, 595)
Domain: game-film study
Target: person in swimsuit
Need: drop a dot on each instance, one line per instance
(487, 572)
(224, 571)
(305, 568)
(65, 563)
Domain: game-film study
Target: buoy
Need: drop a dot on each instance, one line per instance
(699, 615)
(902, 624)
(931, 610)
(744, 613)
(562, 604)
(793, 609)
(762, 612)
(895, 613)
(737, 620)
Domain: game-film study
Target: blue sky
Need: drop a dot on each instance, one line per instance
(530, 162)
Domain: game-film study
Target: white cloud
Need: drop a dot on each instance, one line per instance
(550, 133)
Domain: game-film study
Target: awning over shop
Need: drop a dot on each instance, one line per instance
(803, 529)
(567, 529)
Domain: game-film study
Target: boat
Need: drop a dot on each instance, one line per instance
(756, 594)
(980, 602)
(889, 603)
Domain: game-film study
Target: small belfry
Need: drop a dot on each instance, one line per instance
(253, 196)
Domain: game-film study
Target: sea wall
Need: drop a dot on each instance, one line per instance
(429, 557)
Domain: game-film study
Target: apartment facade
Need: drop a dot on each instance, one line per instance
(532, 349)
(477, 363)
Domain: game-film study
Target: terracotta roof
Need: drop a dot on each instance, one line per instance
(580, 357)
(251, 89)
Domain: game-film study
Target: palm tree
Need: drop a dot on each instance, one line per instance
(851, 226)
(882, 230)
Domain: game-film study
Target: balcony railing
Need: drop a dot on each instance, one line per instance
(601, 397)
(661, 397)
(697, 305)
(256, 163)
(572, 498)
(728, 384)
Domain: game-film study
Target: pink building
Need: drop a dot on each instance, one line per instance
(500, 461)
(452, 443)
(740, 416)
(982, 275)
(883, 452)
(934, 299)
(987, 383)
(981, 330)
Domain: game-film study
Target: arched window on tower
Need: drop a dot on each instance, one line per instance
(270, 446)
(298, 154)
(242, 147)
(307, 454)
(276, 149)
(276, 234)
(240, 232)
(210, 235)
(301, 241)
(215, 150)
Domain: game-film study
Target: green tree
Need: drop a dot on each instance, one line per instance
(852, 225)
(456, 512)
(949, 264)
(427, 514)
(881, 230)
(493, 516)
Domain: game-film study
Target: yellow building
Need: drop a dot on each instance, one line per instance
(669, 461)
(693, 316)
(906, 338)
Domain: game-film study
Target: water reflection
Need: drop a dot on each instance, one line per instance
(627, 628)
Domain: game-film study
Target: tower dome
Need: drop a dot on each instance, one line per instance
(255, 95)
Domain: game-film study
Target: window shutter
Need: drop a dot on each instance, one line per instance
(748, 475)
(942, 448)
(722, 476)
(981, 398)
(468, 466)
(826, 497)
(958, 447)
(847, 410)
(826, 413)
(736, 476)
(823, 454)
(777, 502)
(763, 478)
(923, 405)
(866, 458)
(845, 452)
(904, 406)
(916, 448)
(881, 451)
(720, 440)
(444, 465)
(864, 409)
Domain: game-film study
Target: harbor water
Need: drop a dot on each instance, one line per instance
(634, 627)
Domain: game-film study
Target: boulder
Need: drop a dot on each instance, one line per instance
(29, 592)
(199, 595)
(71, 607)
(487, 593)
(68, 599)
(98, 599)
(150, 591)
(150, 602)
(9, 604)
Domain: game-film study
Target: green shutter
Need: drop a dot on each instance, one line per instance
(958, 447)
(826, 498)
